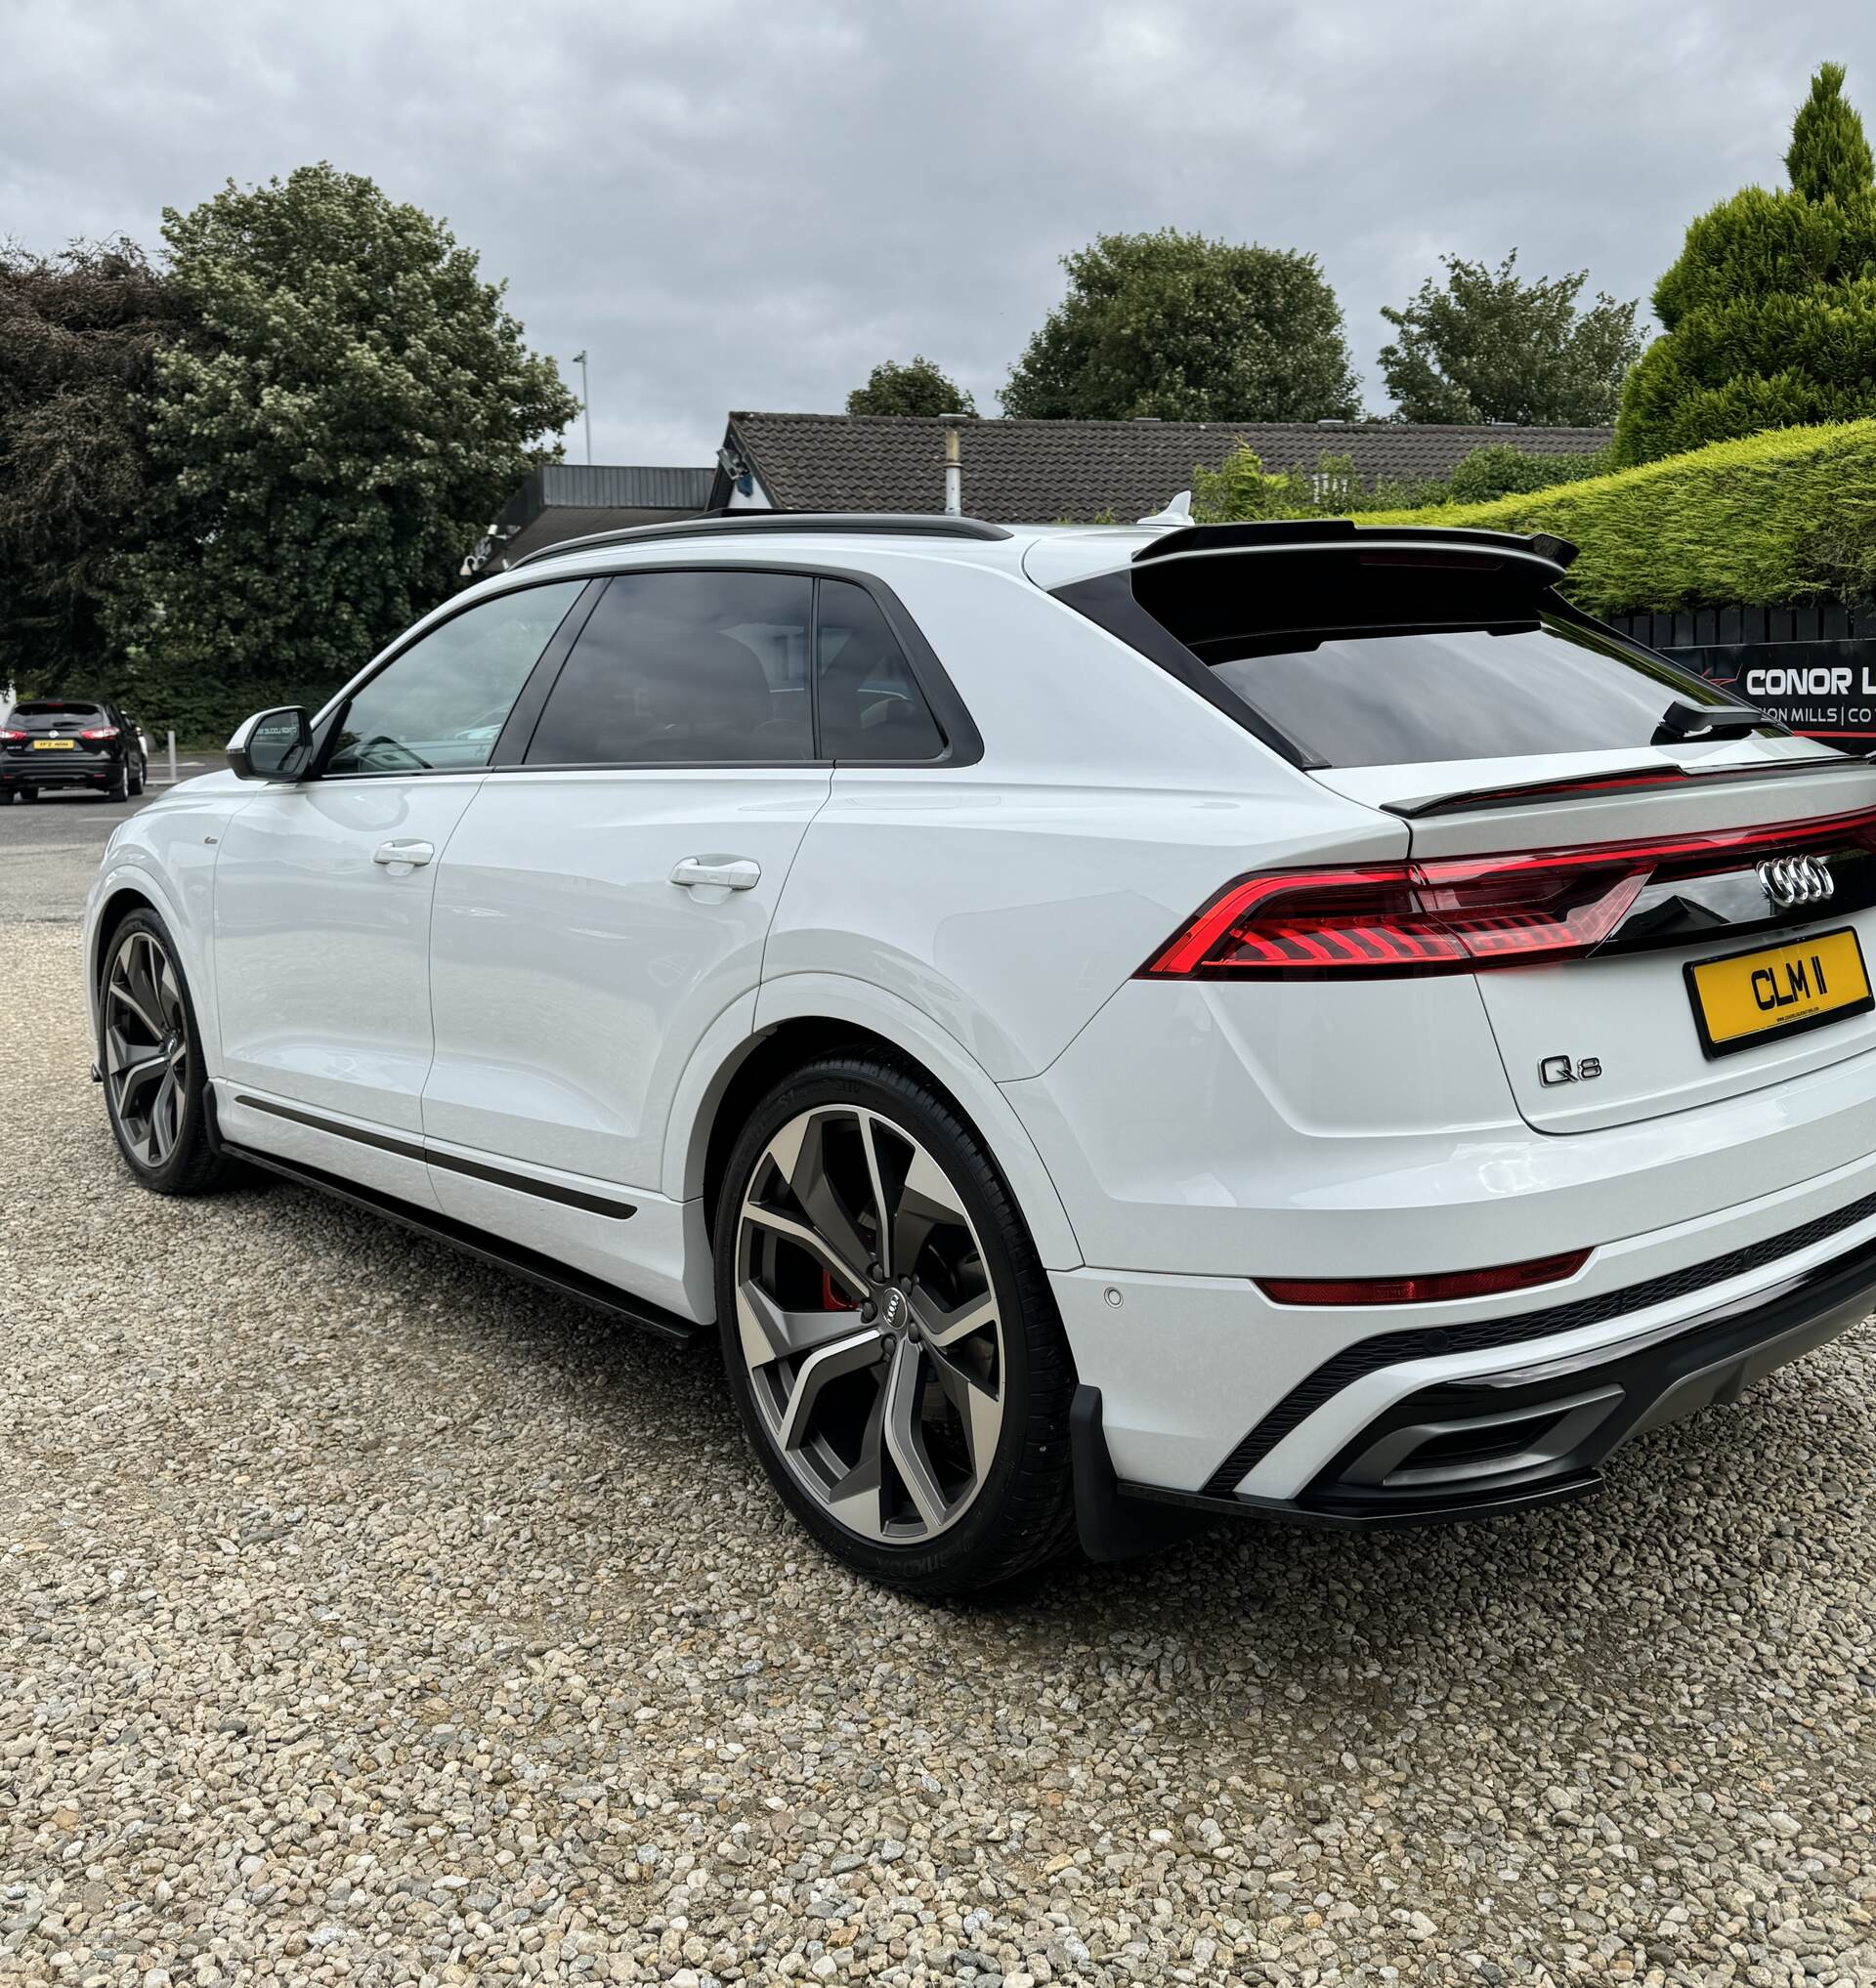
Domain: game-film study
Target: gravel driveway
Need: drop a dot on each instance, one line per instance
(367, 1617)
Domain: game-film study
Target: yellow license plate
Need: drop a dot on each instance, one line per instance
(1753, 998)
(51, 746)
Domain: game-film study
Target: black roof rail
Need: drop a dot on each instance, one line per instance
(1332, 531)
(734, 523)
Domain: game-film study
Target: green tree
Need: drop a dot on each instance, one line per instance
(1177, 326)
(79, 337)
(360, 407)
(917, 388)
(1482, 346)
(1770, 310)
(1829, 155)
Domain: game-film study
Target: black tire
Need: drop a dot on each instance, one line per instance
(135, 776)
(1022, 1513)
(28, 793)
(119, 787)
(191, 1166)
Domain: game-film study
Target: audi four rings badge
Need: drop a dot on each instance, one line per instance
(1789, 880)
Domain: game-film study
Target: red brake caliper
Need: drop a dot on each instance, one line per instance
(833, 1298)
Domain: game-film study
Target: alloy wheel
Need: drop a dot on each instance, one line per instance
(868, 1325)
(146, 1047)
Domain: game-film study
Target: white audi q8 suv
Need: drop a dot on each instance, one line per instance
(1105, 1024)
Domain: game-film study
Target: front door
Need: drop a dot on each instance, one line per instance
(324, 890)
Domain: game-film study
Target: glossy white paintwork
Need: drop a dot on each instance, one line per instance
(1009, 900)
(570, 978)
(323, 954)
(168, 861)
(1165, 1143)
(354, 1160)
(863, 1004)
(1182, 1131)
(1188, 1365)
(659, 1253)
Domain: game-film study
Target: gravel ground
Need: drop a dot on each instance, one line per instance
(368, 1618)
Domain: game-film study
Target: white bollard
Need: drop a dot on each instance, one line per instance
(172, 759)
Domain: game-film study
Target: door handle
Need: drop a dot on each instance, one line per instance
(723, 873)
(405, 855)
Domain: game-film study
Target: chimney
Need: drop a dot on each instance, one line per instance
(954, 464)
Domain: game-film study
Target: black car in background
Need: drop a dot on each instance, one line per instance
(69, 743)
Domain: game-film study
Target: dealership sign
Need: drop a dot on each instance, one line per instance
(1823, 689)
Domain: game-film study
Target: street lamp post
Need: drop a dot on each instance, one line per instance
(586, 404)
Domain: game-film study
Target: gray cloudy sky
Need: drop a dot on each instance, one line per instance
(742, 205)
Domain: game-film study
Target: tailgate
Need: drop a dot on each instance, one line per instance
(1744, 957)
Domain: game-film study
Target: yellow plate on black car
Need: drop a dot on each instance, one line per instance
(1753, 998)
(53, 746)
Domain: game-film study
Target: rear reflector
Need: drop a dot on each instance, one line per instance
(1434, 1288)
(1461, 914)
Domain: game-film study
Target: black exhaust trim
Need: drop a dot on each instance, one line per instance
(1789, 1308)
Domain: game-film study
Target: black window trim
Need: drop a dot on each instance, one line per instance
(962, 744)
(325, 730)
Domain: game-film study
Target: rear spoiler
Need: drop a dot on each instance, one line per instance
(1339, 532)
(1595, 786)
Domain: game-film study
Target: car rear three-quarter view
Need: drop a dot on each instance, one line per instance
(1526, 1109)
(1266, 1019)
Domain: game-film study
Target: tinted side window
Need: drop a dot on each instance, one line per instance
(685, 668)
(444, 702)
(871, 705)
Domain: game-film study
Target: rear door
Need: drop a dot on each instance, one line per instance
(1669, 901)
(608, 895)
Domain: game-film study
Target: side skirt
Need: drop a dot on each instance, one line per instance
(439, 1228)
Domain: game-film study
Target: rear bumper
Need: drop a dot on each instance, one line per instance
(1534, 1431)
(57, 770)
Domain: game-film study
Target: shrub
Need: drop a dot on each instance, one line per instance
(1788, 515)
(1241, 487)
(1497, 470)
(1770, 308)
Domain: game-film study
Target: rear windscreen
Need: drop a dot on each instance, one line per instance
(1381, 699)
(1379, 657)
(43, 710)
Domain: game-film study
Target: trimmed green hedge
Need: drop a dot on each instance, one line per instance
(1789, 515)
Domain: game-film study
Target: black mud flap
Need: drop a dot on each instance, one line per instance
(1113, 1526)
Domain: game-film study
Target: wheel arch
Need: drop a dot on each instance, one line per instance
(122, 895)
(807, 1016)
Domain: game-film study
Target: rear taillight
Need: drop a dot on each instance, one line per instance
(100, 732)
(1460, 914)
(12, 735)
(1435, 1287)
